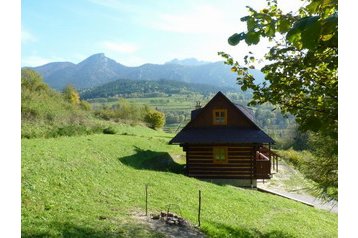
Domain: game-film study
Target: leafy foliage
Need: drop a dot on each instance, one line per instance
(71, 95)
(109, 130)
(47, 113)
(155, 119)
(301, 71)
(324, 168)
(320, 164)
(122, 110)
(302, 66)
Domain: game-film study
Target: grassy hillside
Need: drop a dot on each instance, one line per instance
(88, 186)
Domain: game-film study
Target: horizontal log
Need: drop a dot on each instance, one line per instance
(199, 148)
(247, 157)
(200, 162)
(263, 176)
(227, 176)
(198, 173)
(240, 153)
(199, 151)
(229, 165)
(221, 171)
(240, 150)
(210, 161)
(237, 170)
(240, 157)
(199, 155)
(197, 166)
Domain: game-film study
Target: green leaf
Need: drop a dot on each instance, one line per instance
(283, 25)
(313, 6)
(245, 18)
(251, 24)
(329, 27)
(270, 29)
(252, 38)
(295, 38)
(311, 35)
(236, 38)
(304, 33)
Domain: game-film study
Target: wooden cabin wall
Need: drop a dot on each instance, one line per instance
(234, 116)
(239, 165)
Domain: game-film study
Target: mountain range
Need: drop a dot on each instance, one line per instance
(98, 69)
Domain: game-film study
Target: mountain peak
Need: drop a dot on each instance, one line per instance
(97, 56)
(99, 69)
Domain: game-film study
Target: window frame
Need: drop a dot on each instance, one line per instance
(215, 122)
(215, 150)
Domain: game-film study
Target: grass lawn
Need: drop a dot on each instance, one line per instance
(88, 186)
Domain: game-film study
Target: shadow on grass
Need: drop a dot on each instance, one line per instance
(152, 160)
(73, 230)
(224, 230)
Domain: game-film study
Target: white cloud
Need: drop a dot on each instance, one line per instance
(120, 47)
(27, 37)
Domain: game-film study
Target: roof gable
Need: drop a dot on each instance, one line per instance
(237, 115)
(241, 126)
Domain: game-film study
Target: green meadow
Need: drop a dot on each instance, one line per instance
(91, 185)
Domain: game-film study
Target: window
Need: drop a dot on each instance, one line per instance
(220, 154)
(219, 116)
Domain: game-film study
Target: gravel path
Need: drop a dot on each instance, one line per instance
(296, 190)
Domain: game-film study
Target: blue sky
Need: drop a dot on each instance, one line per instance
(132, 32)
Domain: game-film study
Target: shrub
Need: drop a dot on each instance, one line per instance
(109, 130)
(155, 119)
(297, 159)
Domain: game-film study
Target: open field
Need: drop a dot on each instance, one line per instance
(90, 186)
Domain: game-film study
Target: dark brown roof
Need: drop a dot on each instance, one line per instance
(220, 135)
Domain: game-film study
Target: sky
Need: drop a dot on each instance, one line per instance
(134, 32)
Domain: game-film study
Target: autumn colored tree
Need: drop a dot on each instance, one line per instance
(155, 119)
(71, 95)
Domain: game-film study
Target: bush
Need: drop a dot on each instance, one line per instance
(297, 158)
(155, 119)
(109, 130)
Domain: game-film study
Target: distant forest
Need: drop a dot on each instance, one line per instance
(148, 88)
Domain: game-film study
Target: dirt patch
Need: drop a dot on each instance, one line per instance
(168, 230)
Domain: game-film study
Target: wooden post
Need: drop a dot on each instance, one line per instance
(270, 155)
(146, 199)
(276, 163)
(199, 211)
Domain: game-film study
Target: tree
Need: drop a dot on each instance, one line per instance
(155, 119)
(71, 95)
(300, 72)
(32, 81)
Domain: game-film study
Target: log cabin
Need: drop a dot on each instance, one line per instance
(224, 144)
